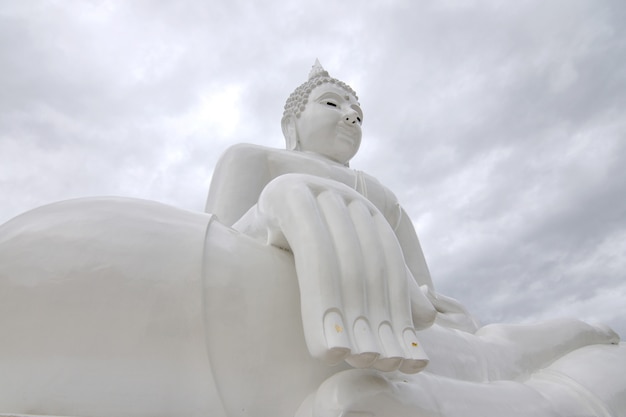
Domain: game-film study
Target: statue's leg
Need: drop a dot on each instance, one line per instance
(101, 311)
(592, 378)
(368, 393)
(584, 382)
(127, 308)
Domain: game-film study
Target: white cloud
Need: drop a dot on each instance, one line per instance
(217, 113)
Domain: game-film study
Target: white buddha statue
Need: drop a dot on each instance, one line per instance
(302, 291)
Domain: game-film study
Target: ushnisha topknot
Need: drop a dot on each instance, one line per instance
(298, 99)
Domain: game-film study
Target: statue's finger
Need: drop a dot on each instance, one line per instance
(294, 207)
(398, 277)
(373, 260)
(347, 250)
(377, 306)
(393, 353)
(350, 258)
(367, 349)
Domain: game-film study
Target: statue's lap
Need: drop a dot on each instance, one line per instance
(135, 308)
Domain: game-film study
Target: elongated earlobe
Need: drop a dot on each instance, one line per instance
(289, 131)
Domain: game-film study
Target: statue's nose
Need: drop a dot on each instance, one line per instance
(352, 117)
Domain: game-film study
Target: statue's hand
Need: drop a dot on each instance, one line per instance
(355, 287)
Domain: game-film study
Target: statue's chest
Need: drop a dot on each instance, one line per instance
(305, 165)
(363, 184)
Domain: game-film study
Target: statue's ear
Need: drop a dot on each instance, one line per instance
(289, 131)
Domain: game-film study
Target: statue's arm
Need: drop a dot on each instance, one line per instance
(386, 201)
(239, 178)
(450, 313)
(412, 250)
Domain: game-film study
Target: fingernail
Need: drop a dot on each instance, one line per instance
(336, 338)
(393, 353)
(366, 345)
(365, 340)
(416, 357)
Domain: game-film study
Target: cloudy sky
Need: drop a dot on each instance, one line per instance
(500, 125)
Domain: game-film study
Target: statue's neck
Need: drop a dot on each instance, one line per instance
(324, 158)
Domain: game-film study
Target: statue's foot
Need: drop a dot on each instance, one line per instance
(342, 394)
(607, 333)
(368, 393)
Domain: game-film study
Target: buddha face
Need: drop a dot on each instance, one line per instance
(330, 124)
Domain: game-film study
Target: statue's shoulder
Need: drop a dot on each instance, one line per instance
(277, 160)
(247, 153)
(245, 157)
(246, 150)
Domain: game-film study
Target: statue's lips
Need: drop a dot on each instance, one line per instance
(348, 132)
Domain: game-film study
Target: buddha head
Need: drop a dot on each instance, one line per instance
(323, 116)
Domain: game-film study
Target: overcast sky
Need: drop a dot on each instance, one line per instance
(500, 125)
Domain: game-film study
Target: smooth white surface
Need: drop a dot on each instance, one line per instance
(131, 308)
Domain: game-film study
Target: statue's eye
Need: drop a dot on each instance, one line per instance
(330, 103)
(359, 119)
